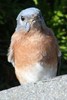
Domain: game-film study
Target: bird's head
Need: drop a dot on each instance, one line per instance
(29, 18)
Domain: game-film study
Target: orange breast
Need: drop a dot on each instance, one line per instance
(33, 48)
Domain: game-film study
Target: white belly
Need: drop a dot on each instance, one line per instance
(36, 73)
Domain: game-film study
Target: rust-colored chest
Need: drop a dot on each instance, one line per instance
(31, 49)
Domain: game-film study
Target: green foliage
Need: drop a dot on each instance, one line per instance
(59, 25)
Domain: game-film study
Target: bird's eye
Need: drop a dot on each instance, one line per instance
(22, 18)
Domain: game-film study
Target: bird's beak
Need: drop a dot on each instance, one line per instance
(31, 20)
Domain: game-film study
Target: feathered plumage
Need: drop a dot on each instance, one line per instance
(33, 49)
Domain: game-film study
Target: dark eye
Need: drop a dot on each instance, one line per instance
(22, 18)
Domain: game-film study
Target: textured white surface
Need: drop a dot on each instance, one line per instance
(54, 89)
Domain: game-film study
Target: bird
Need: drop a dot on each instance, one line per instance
(33, 50)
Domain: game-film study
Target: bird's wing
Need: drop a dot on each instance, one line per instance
(59, 62)
(58, 51)
(10, 52)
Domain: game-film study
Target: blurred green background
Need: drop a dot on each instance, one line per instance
(55, 16)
